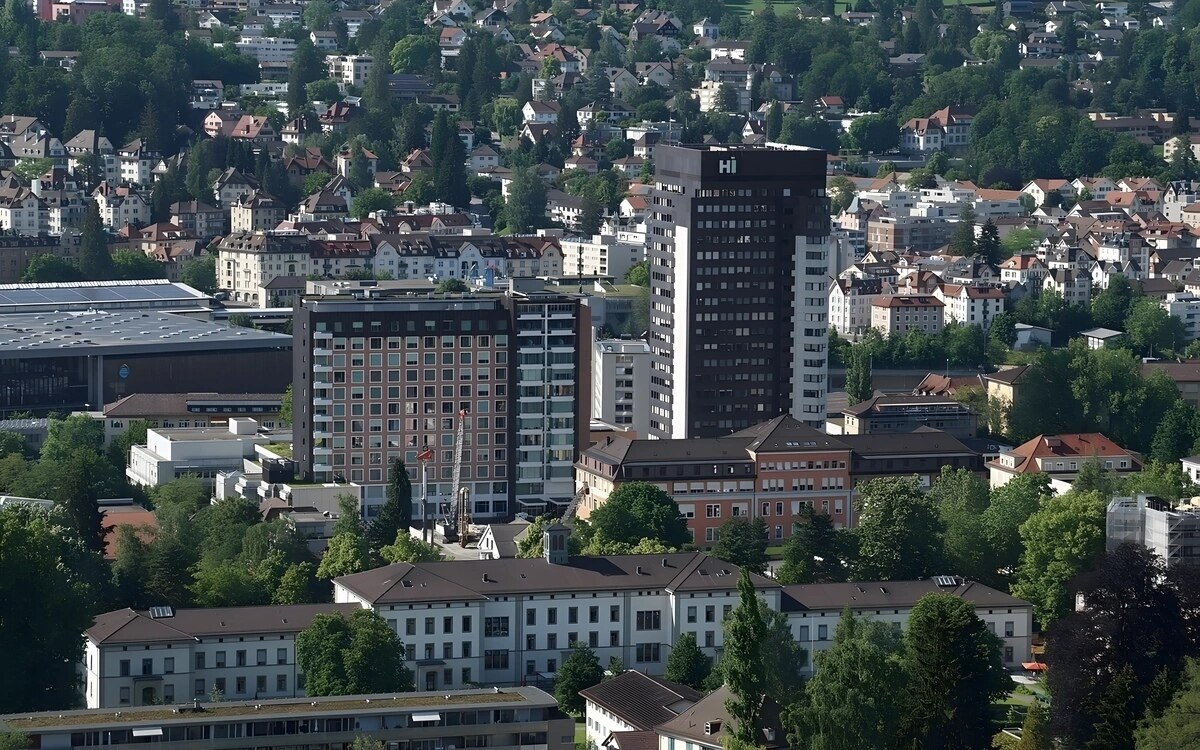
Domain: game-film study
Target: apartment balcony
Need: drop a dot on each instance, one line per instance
(322, 452)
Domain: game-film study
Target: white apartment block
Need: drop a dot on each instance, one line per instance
(165, 656)
(600, 255)
(901, 313)
(121, 205)
(850, 304)
(505, 621)
(201, 451)
(21, 212)
(1186, 307)
(970, 305)
(350, 70)
(246, 262)
(621, 383)
(267, 49)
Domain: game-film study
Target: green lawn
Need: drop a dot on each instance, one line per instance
(580, 733)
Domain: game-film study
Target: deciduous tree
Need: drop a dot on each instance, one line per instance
(742, 662)
(899, 533)
(1060, 540)
(580, 670)
(743, 543)
(687, 664)
(640, 510)
(852, 699)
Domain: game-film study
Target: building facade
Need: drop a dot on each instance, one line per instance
(621, 383)
(521, 718)
(1173, 534)
(381, 377)
(739, 264)
(901, 313)
(164, 655)
(509, 621)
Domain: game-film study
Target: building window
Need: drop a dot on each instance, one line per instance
(495, 627)
(649, 620)
(614, 613)
(1008, 628)
(647, 652)
(281, 683)
(822, 632)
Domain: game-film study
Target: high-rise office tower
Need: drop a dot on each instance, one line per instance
(382, 375)
(739, 266)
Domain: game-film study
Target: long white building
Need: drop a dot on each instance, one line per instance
(501, 622)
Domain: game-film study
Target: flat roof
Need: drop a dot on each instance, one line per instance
(49, 722)
(83, 295)
(111, 332)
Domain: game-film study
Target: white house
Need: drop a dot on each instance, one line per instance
(632, 702)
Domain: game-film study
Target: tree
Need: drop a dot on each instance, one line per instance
(317, 15)
(347, 550)
(295, 585)
(410, 550)
(961, 498)
(351, 656)
(134, 434)
(226, 584)
(55, 577)
(452, 286)
(1060, 540)
(774, 121)
(638, 274)
(1035, 731)
(200, 273)
(1094, 703)
(11, 442)
(1179, 725)
(858, 375)
(962, 241)
(305, 67)
(743, 543)
(873, 134)
(899, 533)
(987, 247)
(954, 673)
(44, 268)
(742, 663)
(815, 553)
(371, 200)
(851, 699)
(1010, 506)
(640, 510)
(413, 53)
(580, 670)
(1111, 306)
(1152, 329)
(95, 262)
(129, 265)
(687, 664)
(1176, 433)
(525, 207)
(395, 515)
(65, 436)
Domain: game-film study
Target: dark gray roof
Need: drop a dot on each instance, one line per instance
(641, 701)
(170, 404)
(785, 433)
(1010, 375)
(876, 403)
(84, 295)
(129, 626)
(923, 440)
(690, 724)
(888, 595)
(476, 580)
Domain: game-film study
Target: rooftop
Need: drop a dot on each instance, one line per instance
(172, 404)
(890, 594)
(133, 626)
(85, 295)
(57, 334)
(474, 580)
(641, 701)
(266, 709)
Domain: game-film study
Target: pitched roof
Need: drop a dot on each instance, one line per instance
(1010, 375)
(476, 580)
(786, 433)
(888, 595)
(641, 701)
(1077, 445)
(130, 626)
(712, 709)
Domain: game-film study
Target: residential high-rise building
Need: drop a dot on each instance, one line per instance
(739, 267)
(380, 375)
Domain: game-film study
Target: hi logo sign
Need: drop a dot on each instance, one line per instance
(727, 166)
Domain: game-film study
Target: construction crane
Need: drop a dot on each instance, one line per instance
(455, 515)
(574, 505)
